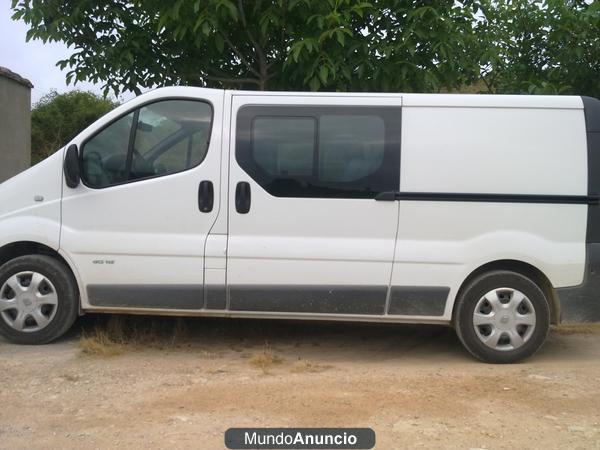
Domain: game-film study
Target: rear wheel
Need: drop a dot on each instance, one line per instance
(502, 317)
(38, 299)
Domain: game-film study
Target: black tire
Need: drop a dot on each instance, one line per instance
(476, 290)
(67, 308)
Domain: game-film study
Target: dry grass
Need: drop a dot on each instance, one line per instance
(99, 343)
(122, 333)
(576, 328)
(210, 355)
(304, 366)
(265, 359)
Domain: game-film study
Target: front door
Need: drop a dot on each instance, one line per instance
(136, 227)
(306, 235)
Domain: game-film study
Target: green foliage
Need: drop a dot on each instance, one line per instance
(57, 118)
(360, 45)
(542, 46)
(384, 45)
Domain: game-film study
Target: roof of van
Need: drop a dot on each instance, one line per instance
(409, 100)
(450, 100)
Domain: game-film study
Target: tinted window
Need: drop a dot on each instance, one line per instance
(284, 146)
(350, 147)
(158, 139)
(343, 152)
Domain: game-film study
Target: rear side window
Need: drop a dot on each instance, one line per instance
(284, 146)
(320, 152)
(350, 147)
(157, 139)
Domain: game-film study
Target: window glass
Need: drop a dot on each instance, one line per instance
(284, 146)
(188, 151)
(105, 155)
(322, 151)
(167, 137)
(350, 147)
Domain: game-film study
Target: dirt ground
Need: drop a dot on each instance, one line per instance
(415, 386)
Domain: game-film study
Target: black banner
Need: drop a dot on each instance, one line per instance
(299, 438)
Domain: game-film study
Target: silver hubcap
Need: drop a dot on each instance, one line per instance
(504, 319)
(28, 301)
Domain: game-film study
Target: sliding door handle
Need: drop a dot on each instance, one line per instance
(206, 196)
(242, 197)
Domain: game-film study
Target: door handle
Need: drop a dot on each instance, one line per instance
(206, 196)
(242, 197)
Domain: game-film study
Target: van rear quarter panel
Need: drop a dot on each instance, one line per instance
(507, 147)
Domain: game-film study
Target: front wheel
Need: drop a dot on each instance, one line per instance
(38, 299)
(502, 317)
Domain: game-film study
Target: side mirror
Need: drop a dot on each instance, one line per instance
(71, 167)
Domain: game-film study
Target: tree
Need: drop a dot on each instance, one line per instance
(542, 46)
(509, 46)
(383, 45)
(57, 118)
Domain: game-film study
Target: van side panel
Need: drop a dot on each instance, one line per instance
(493, 150)
(490, 150)
(30, 207)
(582, 303)
(298, 249)
(133, 243)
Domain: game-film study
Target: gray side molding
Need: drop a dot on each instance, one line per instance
(363, 300)
(167, 296)
(582, 303)
(418, 300)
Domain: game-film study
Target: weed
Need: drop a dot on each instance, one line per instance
(265, 359)
(121, 333)
(304, 366)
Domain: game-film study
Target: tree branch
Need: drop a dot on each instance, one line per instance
(487, 85)
(262, 59)
(238, 53)
(284, 27)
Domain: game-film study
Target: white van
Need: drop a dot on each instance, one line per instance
(474, 211)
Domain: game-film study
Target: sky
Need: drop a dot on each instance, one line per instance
(35, 60)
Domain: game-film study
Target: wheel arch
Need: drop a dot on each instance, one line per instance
(22, 248)
(526, 269)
